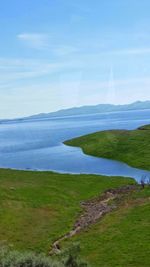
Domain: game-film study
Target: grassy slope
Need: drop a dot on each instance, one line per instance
(132, 147)
(38, 207)
(121, 238)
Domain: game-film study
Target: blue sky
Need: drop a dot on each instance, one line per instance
(61, 53)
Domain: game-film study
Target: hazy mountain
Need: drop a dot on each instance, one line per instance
(101, 108)
(84, 110)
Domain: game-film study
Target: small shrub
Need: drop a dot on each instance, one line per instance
(69, 258)
(27, 259)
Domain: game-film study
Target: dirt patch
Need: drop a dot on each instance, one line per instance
(93, 210)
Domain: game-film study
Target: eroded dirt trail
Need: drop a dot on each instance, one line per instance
(93, 210)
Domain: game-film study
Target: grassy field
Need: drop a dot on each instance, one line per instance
(131, 147)
(38, 207)
(121, 238)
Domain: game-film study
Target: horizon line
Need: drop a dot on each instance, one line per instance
(69, 108)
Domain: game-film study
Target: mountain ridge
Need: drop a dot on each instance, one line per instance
(88, 109)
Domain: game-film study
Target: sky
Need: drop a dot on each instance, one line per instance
(56, 54)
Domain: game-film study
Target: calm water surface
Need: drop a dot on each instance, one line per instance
(37, 144)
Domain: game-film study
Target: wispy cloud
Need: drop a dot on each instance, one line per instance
(12, 70)
(34, 40)
(44, 42)
(64, 50)
(132, 51)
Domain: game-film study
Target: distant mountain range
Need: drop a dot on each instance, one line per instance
(101, 108)
(85, 110)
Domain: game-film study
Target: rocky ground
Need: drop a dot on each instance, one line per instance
(93, 210)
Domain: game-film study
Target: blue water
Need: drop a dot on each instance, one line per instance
(38, 144)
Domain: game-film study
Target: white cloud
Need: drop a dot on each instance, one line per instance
(34, 40)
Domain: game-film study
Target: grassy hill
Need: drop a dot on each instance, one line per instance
(131, 147)
(121, 238)
(38, 207)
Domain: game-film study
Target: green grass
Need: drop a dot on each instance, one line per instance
(131, 147)
(121, 238)
(38, 207)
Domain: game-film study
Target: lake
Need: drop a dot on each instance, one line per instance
(38, 144)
